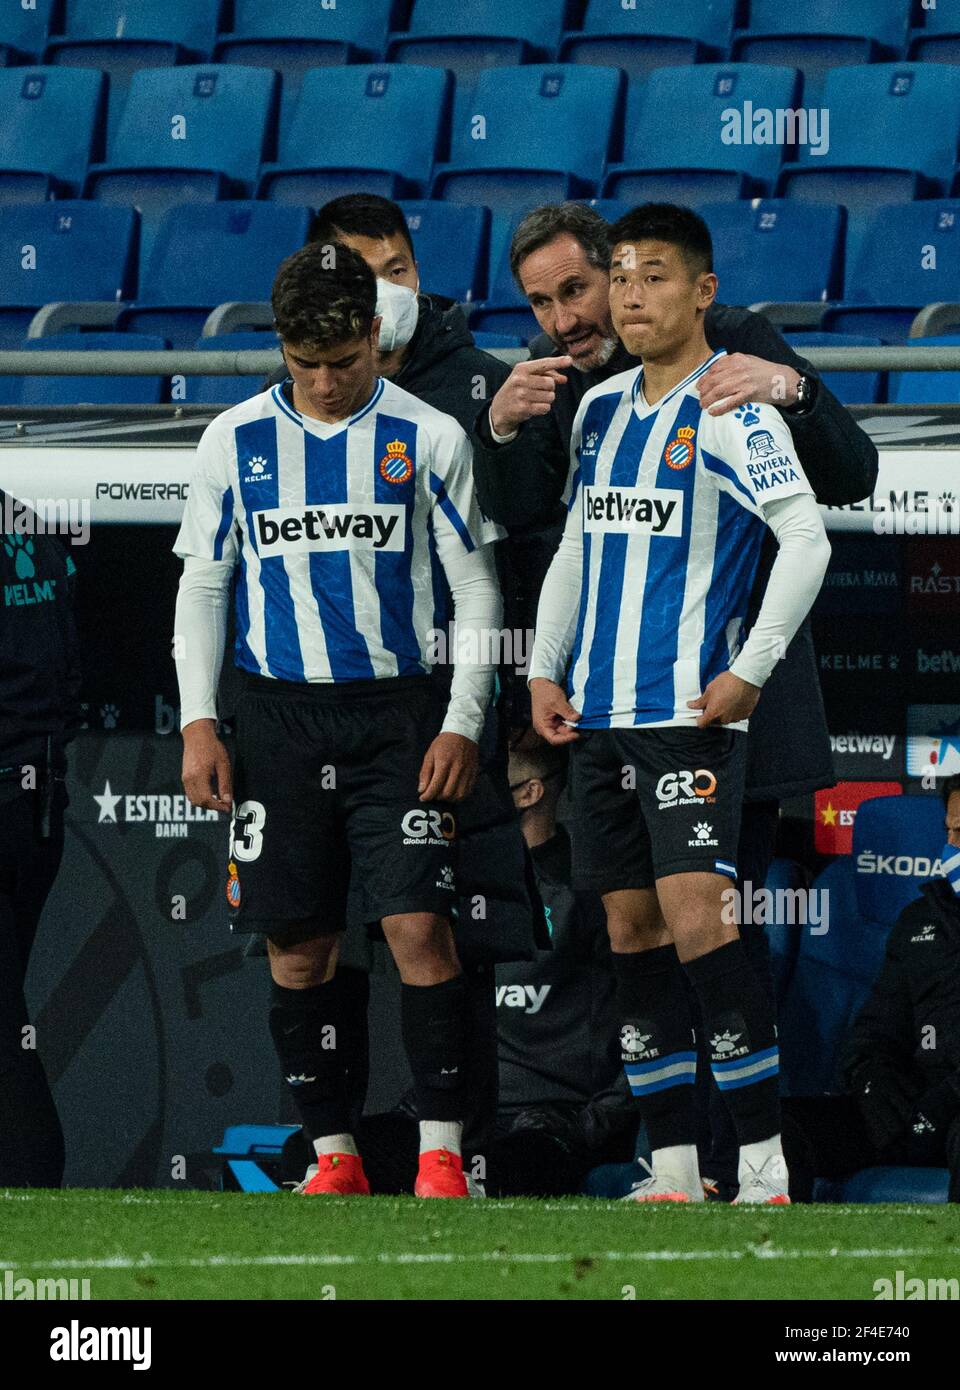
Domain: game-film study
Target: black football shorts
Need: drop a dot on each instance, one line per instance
(325, 784)
(645, 803)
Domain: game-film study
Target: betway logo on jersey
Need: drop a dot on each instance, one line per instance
(644, 511)
(377, 526)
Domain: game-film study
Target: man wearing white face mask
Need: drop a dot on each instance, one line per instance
(426, 345)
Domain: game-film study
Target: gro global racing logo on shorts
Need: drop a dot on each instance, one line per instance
(686, 788)
(423, 827)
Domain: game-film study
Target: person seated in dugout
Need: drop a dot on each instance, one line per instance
(901, 1061)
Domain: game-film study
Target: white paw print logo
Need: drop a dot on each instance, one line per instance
(591, 440)
(632, 1040)
(702, 830)
(446, 876)
(110, 714)
(258, 464)
(725, 1041)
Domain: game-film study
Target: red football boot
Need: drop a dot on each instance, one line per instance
(341, 1175)
(440, 1175)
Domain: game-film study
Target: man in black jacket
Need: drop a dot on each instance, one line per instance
(901, 1062)
(434, 357)
(39, 714)
(560, 258)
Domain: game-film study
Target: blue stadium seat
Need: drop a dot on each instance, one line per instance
(207, 254)
(23, 32)
(451, 246)
(771, 249)
(226, 390)
(783, 876)
(831, 978)
(52, 128)
(893, 138)
(86, 390)
(80, 251)
(917, 1186)
(939, 39)
(925, 388)
(299, 35)
(512, 323)
(186, 135)
(896, 842)
(667, 158)
(384, 139)
(499, 340)
(119, 36)
(484, 34)
(546, 137)
(853, 388)
(909, 257)
(821, 35)
(651, 34)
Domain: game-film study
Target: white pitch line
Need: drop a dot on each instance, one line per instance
(147, 1261)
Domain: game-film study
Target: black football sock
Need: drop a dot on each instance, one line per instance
(657, 1043)
(433, 1021)
(308, 1032)
(741, 1034)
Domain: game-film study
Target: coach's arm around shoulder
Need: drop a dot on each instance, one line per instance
(839, 458)
(208, 545)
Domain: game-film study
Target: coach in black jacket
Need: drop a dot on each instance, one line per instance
(561, 259)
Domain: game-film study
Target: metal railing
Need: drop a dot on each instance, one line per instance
(262, 361)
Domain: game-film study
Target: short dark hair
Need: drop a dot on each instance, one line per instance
(542, 225)
(951, 784)
(677, 226)
(324, 294)
(360, 214)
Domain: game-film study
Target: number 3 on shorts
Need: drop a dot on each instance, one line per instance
(249, 819)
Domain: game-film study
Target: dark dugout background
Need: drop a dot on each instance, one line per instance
(153, 1028)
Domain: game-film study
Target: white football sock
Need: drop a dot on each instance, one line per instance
(679, 1163)
(757, 1154)
(335, 1144)
(441, 1134)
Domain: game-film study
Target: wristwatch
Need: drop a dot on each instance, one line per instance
(806, 390)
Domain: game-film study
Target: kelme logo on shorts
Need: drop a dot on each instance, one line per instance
(332, 526)
(643, 511)
(428, 827)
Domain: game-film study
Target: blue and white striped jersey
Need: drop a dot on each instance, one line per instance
(340, 531)
(666, 502)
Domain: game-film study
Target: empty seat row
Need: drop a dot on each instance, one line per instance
(537, 133)
(540, 28)
(208, 253)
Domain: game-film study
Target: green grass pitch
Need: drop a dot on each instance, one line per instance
(160, 1244)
